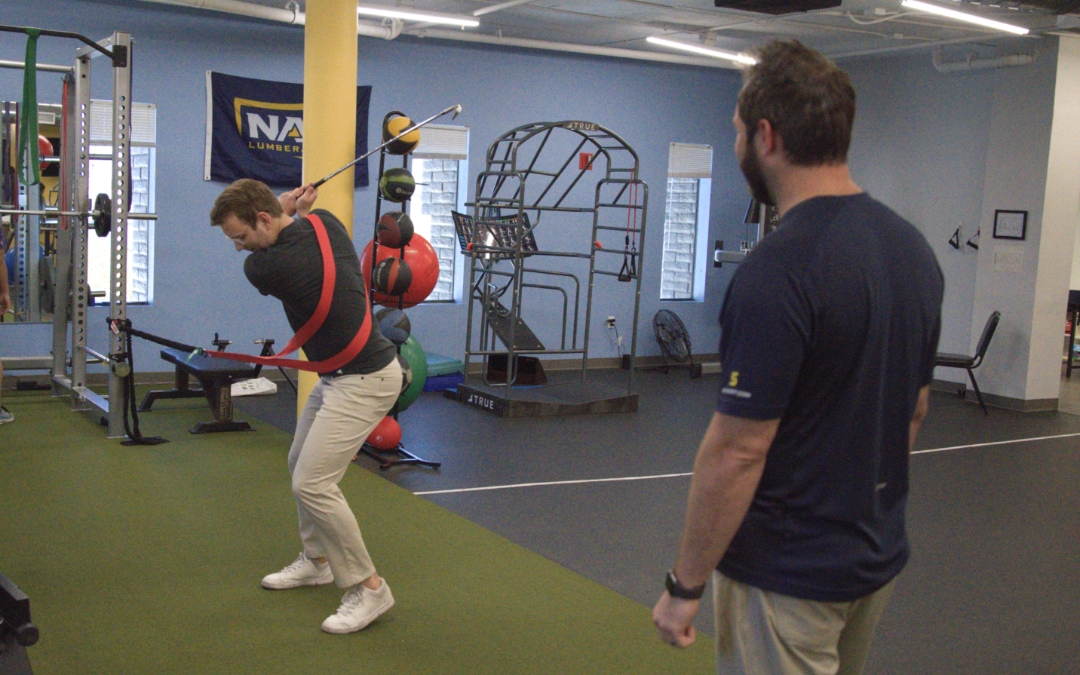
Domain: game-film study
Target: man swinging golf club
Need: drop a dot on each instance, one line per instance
(291, 246)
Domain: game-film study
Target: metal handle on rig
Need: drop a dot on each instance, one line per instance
(456, 109)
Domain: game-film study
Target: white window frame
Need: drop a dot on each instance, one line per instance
(689, 161)
(143, 135)
(443, 142)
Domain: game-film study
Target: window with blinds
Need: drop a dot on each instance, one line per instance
(439, 164)
(143, 123)
(682, 274)
(441, 141)
(140, 233)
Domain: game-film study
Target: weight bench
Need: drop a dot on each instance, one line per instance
(216, 377)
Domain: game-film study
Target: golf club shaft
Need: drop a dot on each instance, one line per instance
(456, 109)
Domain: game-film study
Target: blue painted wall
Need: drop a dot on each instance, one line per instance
(920, 144)
(200, 287)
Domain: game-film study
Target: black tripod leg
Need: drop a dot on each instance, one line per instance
(289, 379)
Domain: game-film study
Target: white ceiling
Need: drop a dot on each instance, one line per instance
(856, 27)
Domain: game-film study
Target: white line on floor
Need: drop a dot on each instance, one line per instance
(983, 445)
(683, 475)
(557, 482)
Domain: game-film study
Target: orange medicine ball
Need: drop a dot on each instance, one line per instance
(386, 436)
(423, 262)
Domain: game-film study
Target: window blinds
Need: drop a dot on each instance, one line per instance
(687, 160)
(143, 123)
(442, 141)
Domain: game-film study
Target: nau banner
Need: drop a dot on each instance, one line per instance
(255, 129)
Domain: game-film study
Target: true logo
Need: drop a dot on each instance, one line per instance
(481, 402)
(270, 127)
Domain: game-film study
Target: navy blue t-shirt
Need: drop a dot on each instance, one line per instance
(830, 325)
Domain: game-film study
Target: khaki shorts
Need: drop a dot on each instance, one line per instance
(763, 633)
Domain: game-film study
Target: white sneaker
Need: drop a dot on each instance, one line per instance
(359, 607)
(301, 572)
(5, 415)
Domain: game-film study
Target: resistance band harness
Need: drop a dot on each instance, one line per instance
(302, 336)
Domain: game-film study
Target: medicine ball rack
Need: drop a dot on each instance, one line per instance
(531, 174)
(381, 456)
(71, 293)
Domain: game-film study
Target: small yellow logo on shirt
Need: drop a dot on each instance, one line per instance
(733, 381)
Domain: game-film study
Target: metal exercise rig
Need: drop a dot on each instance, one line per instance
(527, 180)
(71, 292)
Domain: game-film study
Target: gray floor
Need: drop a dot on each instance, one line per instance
(992, 586)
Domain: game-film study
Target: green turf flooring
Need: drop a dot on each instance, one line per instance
(148, 559)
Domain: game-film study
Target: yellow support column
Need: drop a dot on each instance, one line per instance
(330, 56)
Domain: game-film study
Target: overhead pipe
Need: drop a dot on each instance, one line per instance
(499, 7)
(970, 63)
(291, 15)
(389, 32)
(882, 51)
(592, 50)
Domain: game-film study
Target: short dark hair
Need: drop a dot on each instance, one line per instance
(808, 100)
(244, 199)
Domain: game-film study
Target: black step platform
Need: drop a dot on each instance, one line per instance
(501, 321)
(549, 400)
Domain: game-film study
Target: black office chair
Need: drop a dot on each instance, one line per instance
(970, 363)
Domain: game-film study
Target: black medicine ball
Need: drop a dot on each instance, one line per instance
(394, 325)
(397, 185)
(395, 229)
(392, 276)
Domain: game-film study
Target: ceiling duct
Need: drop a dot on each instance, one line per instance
(779, 7)
(1052, 6)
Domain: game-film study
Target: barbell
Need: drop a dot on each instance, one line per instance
(101, 216)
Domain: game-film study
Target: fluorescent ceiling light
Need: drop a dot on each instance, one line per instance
(715, 53)
(406, 14)
(962, 16)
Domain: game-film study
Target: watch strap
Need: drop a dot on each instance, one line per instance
(677, 590)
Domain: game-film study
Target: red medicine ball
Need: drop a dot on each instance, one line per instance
(392, 276)
(395, 229)
(386, 436)
(45, 149)
(423, 262)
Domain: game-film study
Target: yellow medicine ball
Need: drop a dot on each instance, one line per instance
(405, 144)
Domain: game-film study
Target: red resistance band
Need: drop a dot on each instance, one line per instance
(314, 323)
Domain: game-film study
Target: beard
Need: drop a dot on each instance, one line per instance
(755, 178)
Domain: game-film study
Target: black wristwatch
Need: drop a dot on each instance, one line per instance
(677, 590)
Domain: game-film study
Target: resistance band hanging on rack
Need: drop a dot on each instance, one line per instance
(302, 336)
(29, 167)
(629, 262)
(135, 436)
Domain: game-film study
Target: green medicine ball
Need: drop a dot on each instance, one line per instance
(397, 185)
(414, 355)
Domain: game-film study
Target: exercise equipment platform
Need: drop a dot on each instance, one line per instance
(551, 400)
(216, 377)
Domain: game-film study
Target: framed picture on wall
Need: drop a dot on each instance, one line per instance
(1010, 224)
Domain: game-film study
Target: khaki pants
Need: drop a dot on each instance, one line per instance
(764, 633)
(339, 415)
